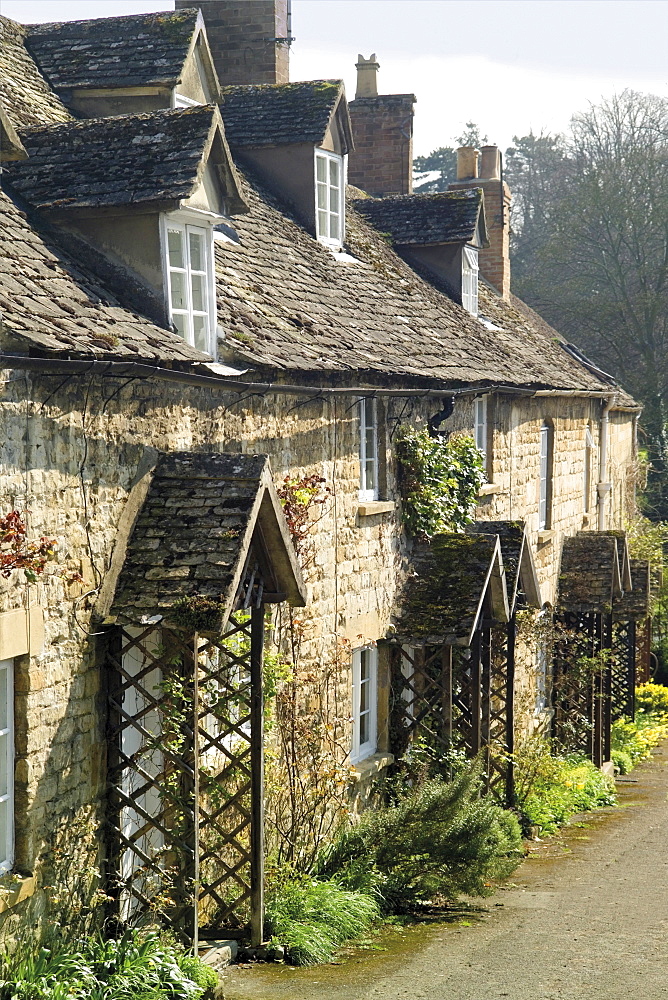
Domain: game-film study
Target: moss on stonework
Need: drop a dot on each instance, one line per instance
(443, 599)
(197, 613)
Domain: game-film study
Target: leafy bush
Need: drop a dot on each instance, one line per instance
(440, 839)
(652, 699)
(551, 787)
(439, 481)
(134, 967)
(312, 918)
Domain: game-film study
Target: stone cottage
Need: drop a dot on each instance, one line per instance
(197, 318)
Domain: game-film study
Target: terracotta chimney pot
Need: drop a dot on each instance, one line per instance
(490, 163)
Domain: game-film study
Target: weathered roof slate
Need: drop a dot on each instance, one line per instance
(456, 579)
(193, 534)
(633, 606)
(124, 160)
(589, 579)
(289, 307)
(50, 300)
(25, 95)
(425, 219)
(273, 114)
(132, 51)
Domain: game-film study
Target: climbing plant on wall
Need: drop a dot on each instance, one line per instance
(16, 552)
(439, 481)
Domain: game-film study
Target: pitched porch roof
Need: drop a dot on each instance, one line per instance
(633, 606)
(590, 578)
(458, 580)
(202, 520)
(518, 561)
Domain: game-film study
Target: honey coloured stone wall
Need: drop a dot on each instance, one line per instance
(75, 448)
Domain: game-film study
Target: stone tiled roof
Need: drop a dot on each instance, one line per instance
(633, 606)
(124, 160)
(133, 51)
(456, 579)
(521, 577)
(424, 219)
(194, 532)
(589, 579)
(272, 114)
(25, 95)
(289, 307)
(50, 300)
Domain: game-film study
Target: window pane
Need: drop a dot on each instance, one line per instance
(178, 289)
(370, 475)
(364, 728)
(322, 196)
(322, 223)
(334, 173)
(4, 741)
(321, 168)
(3, 698)
(175, 248)
(196, 251)
(364, 696)
(179, 321)
(4, 821)
(198, 292)
(200, 332)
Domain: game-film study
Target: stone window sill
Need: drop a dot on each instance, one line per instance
(489, 489)
(545, 536)
(370, 766)
(14, 889)
(368, 508)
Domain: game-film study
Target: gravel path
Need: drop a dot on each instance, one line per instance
(586, 916)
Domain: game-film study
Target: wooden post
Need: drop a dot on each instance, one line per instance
(510, 711)
(475, 693)
(631, 689)
(485, 698)
(196, 803)
(257, 777)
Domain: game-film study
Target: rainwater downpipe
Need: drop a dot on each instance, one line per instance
(604, 486)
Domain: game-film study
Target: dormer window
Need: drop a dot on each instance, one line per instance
(470, 280)
(190, 282)
(329, 197)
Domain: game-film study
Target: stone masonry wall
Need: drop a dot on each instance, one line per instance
(72, 453)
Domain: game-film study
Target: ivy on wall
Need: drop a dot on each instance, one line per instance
(439, 481)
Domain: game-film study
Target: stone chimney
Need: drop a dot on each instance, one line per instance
(250, 41)
(383, 133)
(495, 260)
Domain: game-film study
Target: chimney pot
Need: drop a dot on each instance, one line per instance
(467, 163)
(367, 76)
(490, 163)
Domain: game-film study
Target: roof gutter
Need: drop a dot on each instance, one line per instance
(133, 369)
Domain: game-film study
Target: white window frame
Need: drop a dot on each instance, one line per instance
(542, 678)
(470, 269)
(7, 735)
(181, 101)
(368, 420)
(323, 232)
(545, 477)
(480, 424)
(367, 656)
(186, 223)
(588, 456)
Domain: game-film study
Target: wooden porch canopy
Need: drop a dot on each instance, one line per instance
(633, 606)
(518, 561)
(458, 582)
(209, 525)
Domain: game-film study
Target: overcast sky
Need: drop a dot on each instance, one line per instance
(508, 65)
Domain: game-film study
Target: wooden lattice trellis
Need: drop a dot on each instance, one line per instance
(461, 699)
(623, 670)
(185, 823)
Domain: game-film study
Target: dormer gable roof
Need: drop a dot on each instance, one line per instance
(25, 95)
(278, 114)
(130, 160)
(429, 219)
(110, 52)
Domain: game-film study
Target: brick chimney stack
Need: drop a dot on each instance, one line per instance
(495, 260)
(250, 41)
(383, 133)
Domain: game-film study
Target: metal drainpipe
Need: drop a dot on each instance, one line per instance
(603, 487)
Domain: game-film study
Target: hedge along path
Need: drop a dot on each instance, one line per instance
(584, 916)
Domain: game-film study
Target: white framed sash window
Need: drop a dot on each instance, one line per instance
(6, 765)
(365, 707)
(368, 413)
(190, 282)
